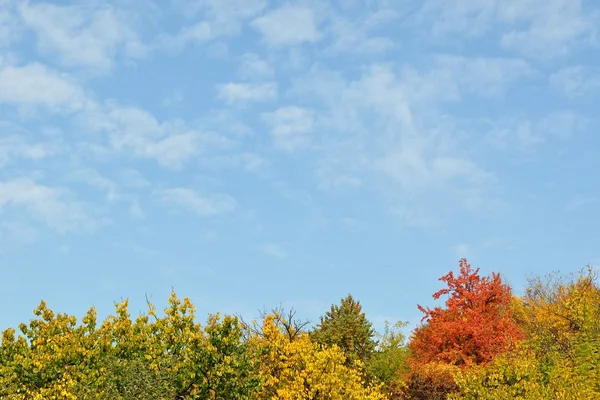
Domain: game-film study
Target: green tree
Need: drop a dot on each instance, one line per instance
(389, 363)
(347, 326)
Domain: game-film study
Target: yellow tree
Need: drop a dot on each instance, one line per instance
(293, 367)
(561, 318)
(560, 357)
(151, 357)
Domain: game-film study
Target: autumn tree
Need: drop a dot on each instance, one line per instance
(475, 325)
(560, 356)
(347, 327)
(285, 320)
(511, 375)
(389, 362)
(151, 357)
(293, 367)
(561, 319)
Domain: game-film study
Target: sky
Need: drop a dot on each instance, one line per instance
(256, 153)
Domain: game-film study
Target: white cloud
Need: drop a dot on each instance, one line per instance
(290, 126)
(253, 67)
(418, 173)
(135, 210)
(291, 24)
(9, 24)
(354, 36)
(209, 236)
(134, 248)
(16, 143)
(94, 179)
(137, 131)
(452, 77)
(17, 231)
(87, 36)
(175, 98)
(331, 178)
(462, 250)
(528, 135)
(247, 92)
(188, 35)
(274, 250)
(223, 17)
(133, 178)
(36, 85)
(579, 202)
(381, 130)
(471, 18)
(576, 81)
(534, 28)
(252, 162)
(53, 206)
(480, 75)
(219, 18)
(198, 204)
(554, 26)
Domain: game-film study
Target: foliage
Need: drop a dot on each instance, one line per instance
(389, 363)
(172, 357)
(561, 318)
(556, 311)
(560, 358)
(484, 344)
(431, 381)
(347, 327)
(294, 367)
(513, 375)
(475, 326)
(169, 357)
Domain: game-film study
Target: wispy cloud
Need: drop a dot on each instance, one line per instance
(579, 202)
(290, 24)
(532, 28)
(88, 36)
(576, 81)
(192, 201)
(53, 206)
(134, 131)
(247, 92)
(213, 20)
(254, 67)
(290, 126)
(359, 35)
(9, 25)
(35, 85)
(18, 144)
(94, 179)
(274, 250)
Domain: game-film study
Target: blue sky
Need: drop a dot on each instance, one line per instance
(250, 152)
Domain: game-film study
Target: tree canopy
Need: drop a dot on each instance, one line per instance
(346, 326)
(484, 343)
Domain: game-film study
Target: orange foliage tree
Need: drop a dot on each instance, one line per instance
(475, 325)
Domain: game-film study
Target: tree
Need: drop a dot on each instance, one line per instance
(556, 311)
(347, 327)
(389, 363)
(291, 326)
(475, 326)
(561, 319)
(151, 357)
(512, 375)
(292, 367)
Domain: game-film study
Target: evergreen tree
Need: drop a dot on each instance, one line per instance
(346, 326)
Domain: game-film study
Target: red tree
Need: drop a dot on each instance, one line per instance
(475, 326)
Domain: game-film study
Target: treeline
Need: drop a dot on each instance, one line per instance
(483, 343)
